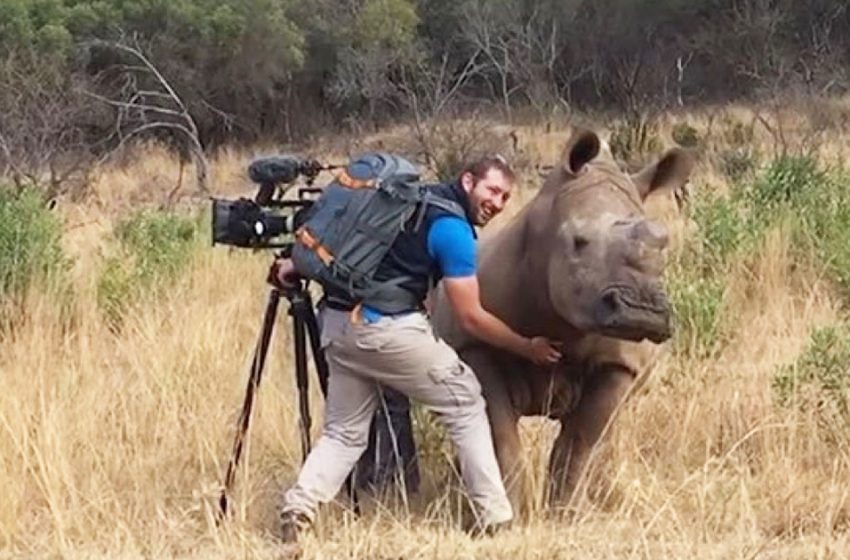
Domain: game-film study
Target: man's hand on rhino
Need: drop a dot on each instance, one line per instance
(543, 351)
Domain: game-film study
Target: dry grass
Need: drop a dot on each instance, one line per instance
(114, 444)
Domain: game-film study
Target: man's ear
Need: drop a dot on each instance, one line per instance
(467, 181)
(668, 174)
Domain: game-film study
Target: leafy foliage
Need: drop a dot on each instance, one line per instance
(793, 190)
(30, 243)
(686, 135)
(634, 139)
(819, 381)
(698, 305)
(153, 248)
(282, 68)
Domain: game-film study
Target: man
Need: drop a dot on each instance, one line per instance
(400, 351)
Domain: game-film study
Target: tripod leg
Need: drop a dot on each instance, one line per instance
(254, 379)
(301, 379)
(315, 346)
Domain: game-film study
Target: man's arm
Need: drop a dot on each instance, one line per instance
(452, 244)
(464, 297)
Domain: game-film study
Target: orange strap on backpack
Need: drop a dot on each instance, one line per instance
(304, 237)
(347, 180)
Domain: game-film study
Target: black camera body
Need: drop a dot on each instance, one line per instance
(267, 221)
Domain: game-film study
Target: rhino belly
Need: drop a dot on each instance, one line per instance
(554, 393)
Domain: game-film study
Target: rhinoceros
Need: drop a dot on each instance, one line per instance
(581, 264)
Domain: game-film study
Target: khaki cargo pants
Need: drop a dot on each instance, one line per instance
(402, 353)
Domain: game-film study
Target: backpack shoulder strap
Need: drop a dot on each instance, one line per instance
(449, 206)
(430, 199)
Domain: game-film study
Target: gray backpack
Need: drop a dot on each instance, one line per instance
(351, 227)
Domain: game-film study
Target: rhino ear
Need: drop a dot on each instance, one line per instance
(670, 173)
(582, 147)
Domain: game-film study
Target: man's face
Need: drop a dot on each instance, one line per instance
(488, 196)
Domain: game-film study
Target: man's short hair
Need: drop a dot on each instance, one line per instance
(478, 168)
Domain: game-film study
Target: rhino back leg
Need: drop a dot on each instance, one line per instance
(504, 423)
(582, 428)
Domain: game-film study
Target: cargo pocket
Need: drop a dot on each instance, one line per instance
(333, 325)
(459, 381)
(370, 339)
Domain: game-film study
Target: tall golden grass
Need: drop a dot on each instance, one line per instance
(113, 444)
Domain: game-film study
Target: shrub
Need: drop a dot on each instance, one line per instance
(816, 201)
(736, 158)
(697, 303)
(685, 135)
(30, 243)
(722, 229)
(824, 212)
(737, 134)
(153, 248)
(449, 144)
(789, 181)
(737, 164)
(818, 382)
(696, 277)
(634, 139)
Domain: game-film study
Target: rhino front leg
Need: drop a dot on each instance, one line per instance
(581, 430)
(504, 425)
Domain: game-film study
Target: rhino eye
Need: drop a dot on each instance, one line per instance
(580, 243)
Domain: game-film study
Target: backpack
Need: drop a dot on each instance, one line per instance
(353, 224)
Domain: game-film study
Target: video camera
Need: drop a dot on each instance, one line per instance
(263, 223)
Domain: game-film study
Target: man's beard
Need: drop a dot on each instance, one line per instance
(483, 216)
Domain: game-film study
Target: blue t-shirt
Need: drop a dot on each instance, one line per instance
(451, 243)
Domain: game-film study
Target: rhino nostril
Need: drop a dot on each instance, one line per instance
(611, 301)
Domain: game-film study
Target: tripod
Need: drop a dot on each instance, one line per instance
(304, 325)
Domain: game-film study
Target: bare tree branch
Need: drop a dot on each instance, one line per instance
(146, 110)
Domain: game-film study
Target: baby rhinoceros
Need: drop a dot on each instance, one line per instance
(581, 264)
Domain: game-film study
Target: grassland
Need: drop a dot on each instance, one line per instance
(123, 370)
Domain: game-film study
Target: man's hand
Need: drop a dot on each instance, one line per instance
(464, 296)
(282, 274)
(543, 351)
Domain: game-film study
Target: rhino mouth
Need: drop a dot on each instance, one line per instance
(626, 313)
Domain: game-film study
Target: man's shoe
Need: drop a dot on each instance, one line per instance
(479, 531)
(293, 523)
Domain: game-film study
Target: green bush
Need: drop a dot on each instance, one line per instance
(790, 182)
(30, 243)
(830, 235)
(792, 190)
(697, 303)
(696, 277)
(634, 139)
(737, 134)
(737, 164)
(721, 230)
(153, 248)
(795, 192)
(819, 380)
(685, 135)
(815, 200)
